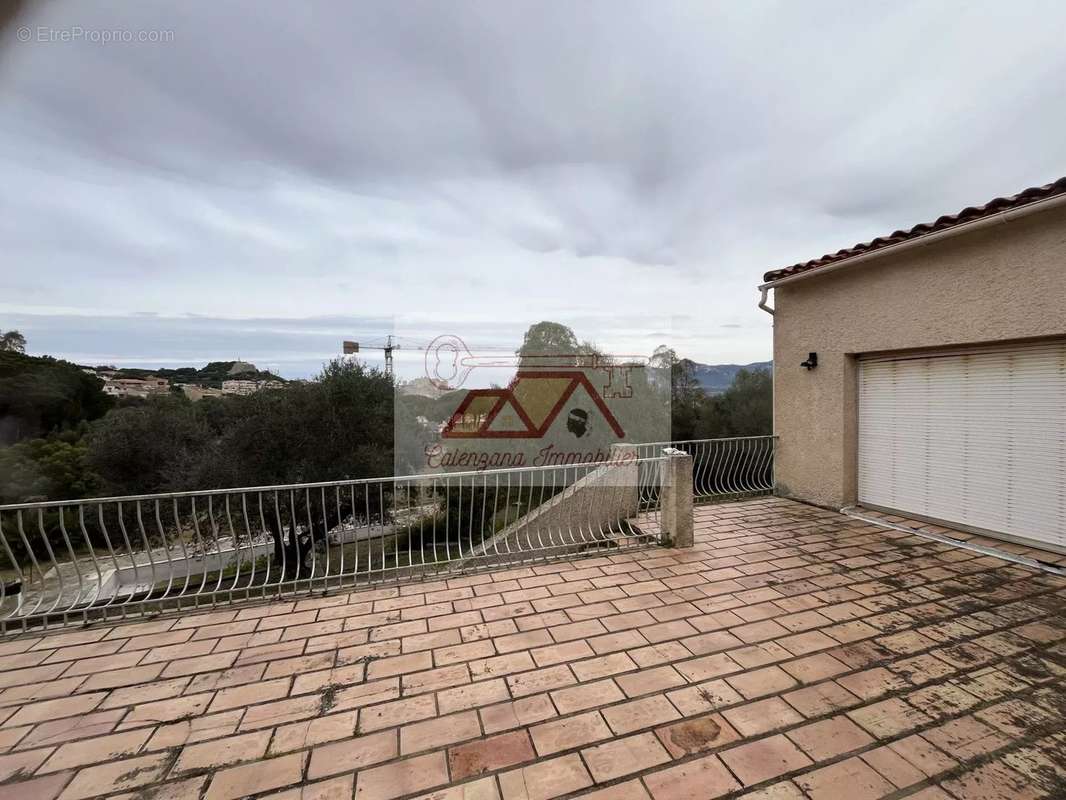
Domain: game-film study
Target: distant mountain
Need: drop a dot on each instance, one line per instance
(716, 378)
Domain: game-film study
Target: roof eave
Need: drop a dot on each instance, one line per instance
(925, 239)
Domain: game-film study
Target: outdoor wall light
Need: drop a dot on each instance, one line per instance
(811, 362)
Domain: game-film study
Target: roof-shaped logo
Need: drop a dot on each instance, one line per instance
(526, 409)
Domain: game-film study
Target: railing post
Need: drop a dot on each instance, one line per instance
(625, 476)
(677, 498)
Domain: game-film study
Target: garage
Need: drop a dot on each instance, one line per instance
(972, 438)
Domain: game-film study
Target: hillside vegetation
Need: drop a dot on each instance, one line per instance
(210, 375)
(62, 438)
(40, 394)
(715, 378)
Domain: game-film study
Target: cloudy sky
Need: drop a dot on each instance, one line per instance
(273, 177)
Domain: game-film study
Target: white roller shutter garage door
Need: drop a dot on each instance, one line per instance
(976, 438)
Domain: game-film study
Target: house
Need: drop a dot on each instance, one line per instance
(243, 387)
(136, 387)
(424, 387)
(925, 372)
(246, 387)
(196, 393)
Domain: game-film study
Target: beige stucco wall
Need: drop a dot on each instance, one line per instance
(1001, 283)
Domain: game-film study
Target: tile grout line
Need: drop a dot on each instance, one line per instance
(941, 681)
(854, 513)
(875, 613)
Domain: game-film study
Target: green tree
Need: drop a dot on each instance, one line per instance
(336, 427)
(55, 468)
(548, 338)
(41, 395)
(687, 398)
(744, 409)
(150, 447)
(13, 341)
(552, 344)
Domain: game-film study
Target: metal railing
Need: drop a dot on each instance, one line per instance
(724, 469)
(112, 557)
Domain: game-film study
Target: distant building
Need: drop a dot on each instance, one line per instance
(136, 387)
(424, 387)
(195, 393)
(246, 387)
(242, 387)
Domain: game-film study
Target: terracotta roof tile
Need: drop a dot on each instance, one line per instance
(969, 214)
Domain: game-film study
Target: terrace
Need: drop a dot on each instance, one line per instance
(790, 652)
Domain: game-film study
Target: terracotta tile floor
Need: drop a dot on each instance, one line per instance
(792, 653)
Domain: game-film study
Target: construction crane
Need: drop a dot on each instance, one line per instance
(351, 348)
(447, 357)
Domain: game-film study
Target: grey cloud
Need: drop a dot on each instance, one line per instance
(520, 160)
(295, 348)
